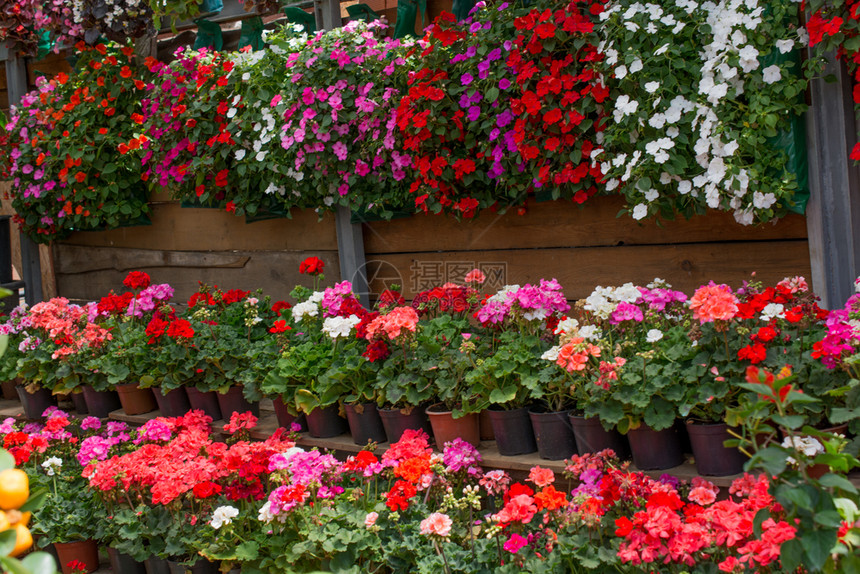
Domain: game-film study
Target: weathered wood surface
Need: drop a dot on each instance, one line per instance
(187, 229)
(88, 273)
(564, 224)
(580, 269)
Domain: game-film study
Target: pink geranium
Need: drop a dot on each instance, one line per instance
(714, 303)
(438, 524)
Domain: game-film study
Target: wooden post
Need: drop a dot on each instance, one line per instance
(833, 213)
(350, 250)
(328, 14)
(16, 80)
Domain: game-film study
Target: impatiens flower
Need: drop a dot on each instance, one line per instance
(223, 515)
(438, 524)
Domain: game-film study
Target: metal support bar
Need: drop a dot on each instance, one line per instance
(16, 81)
(350, 249)
(833, 212)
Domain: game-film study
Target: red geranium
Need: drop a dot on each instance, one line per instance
(180, 329)
(280, 306)
(311, 266)
(206, 489)
(137, 280)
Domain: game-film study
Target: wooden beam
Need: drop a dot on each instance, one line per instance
(350, 248)
(328, 14)
(833, 213)
(16, 80)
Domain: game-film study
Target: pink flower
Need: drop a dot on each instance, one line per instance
(475, 276)
(438, 524)
(714, 303)
(702, 495)
(541, 476)
(370, 519)
(514, 543)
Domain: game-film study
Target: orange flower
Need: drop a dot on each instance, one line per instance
(550, 499)
(80, 176)
(125, 72)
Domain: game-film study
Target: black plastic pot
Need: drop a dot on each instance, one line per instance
(206, 402)
(326, 422)
(286, 418)
(101, 403)
(712, 458)
(35, 403)
(655, 450)
(513, 431)
(395, 421)
(592, 437)
(233, 401)
(155, 565)
(174, 404)
(124, 563)
(200, 567)
(365, 425)
(80, 403)
(553, 434)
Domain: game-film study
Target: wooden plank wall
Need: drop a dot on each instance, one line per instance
(582, 247)
(187, 245)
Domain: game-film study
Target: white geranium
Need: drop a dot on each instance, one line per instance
(773, 311)
(305, 309)
(551, 354)
(590, 332)
(340, 327)
(653, 335)
(223, 515)
(806, 445)
(52, 465)
(568, 325)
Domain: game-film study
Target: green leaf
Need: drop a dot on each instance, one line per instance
(817, 545)
(12, 566)
(40, 563)
(7, 461)
(831, 480)
(492, 95)
(7, 541)
(36, 500)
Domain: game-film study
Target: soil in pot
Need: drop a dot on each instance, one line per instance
(395, 421)
(326, 422)
(35, 403)
(712, 458)
(86, 551)
(365, 424)
(101, 403)
(553, 434)
(513, 431)
(206, 402)
(174, 404)
(233, 401)
(446, 428)
(655, 450)
(286, 418)
(592, 437)
(135, 400)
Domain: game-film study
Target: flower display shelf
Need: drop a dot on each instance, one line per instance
(518, 466)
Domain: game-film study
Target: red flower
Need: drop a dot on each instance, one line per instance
(818, 27)
(206, 489)
(311, 266)
(280, 306)
(623, 526)
(180, 328)
(755, 353)
(279, 326)
(137, 280)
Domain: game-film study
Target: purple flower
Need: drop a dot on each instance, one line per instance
(460, 455)
(473, 114)
(504, 118)
(466, 79)
(504, 84)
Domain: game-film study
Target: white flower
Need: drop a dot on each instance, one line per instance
(857, 285)
(52, 465)
(661, 50)
(340, 327)
(629, 293)
(636, 66)
(551, 354)
(785, 46)
(568, 325)
(772, 311)
(309, 308)
(231, 112)
(652, 87)
(652, 194)
(640, 211)
(807, 445)
(240, 153)
(763, 200)
(654, 335)
(223, 515)
(771, 74)
(590, 332)
(621, 72)
(684, 187)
